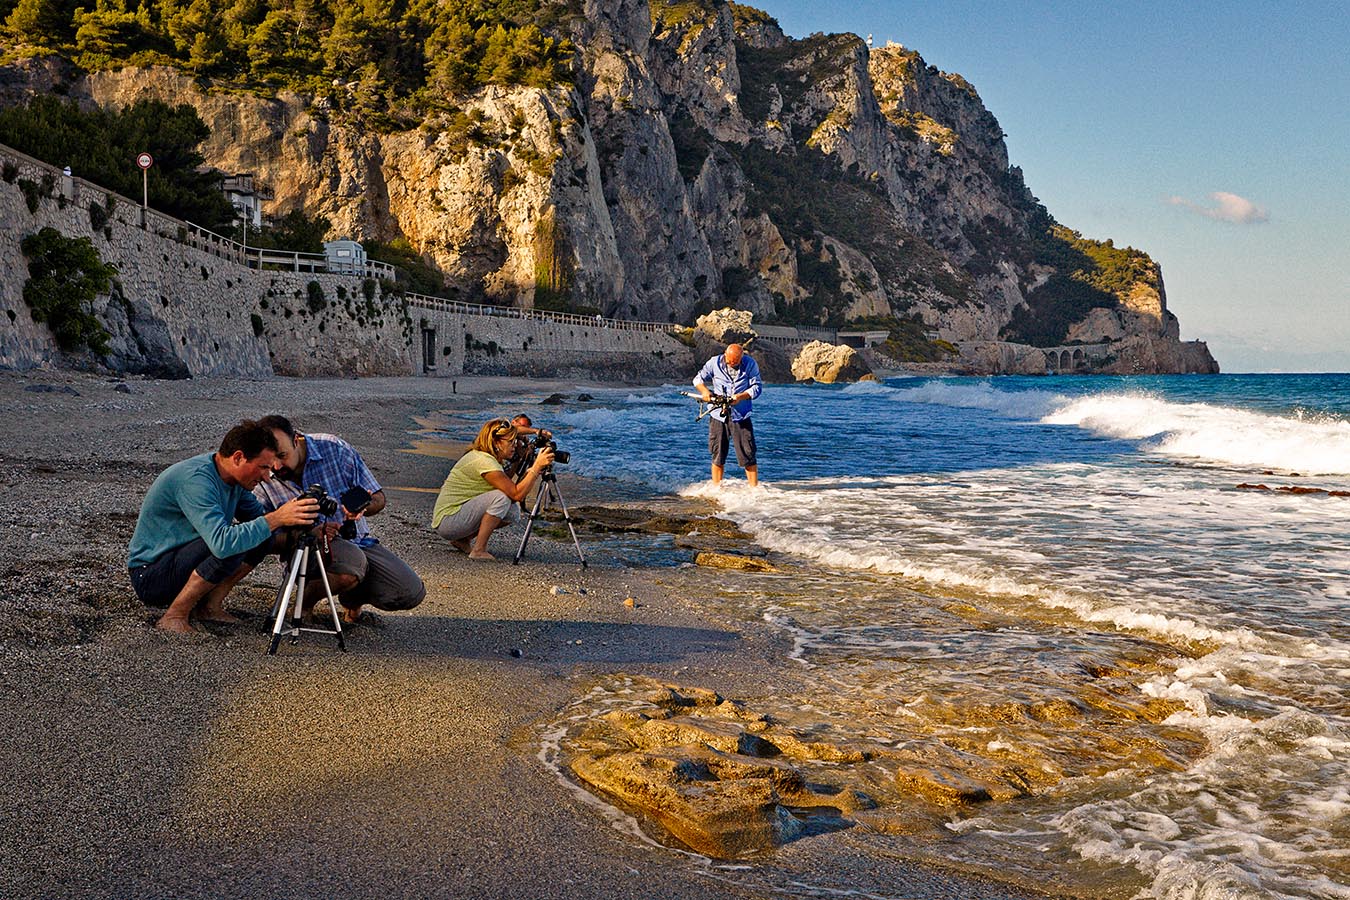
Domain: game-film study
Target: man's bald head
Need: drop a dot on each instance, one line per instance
(733, 355)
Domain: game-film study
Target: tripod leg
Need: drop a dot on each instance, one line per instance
(332, 601)
(288, 584)
(301, 583)
(529, 524)
(557, 495)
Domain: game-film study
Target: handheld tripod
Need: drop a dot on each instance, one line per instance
(706, 407)
(291, 596)
(547, 496)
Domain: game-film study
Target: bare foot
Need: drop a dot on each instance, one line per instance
(462, 545)
(481, 554)
(349, 615)
(174, 625)
(220, 617)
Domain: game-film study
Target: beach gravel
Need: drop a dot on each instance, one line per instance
(140, 765)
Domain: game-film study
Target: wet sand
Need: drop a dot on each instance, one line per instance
(143, 765)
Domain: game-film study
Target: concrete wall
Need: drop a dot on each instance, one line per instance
(181, 310)
(175, 309)
(504, 345)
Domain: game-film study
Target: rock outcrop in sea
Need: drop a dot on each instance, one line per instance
(703, 159)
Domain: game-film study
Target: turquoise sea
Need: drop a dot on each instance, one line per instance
(981, 544)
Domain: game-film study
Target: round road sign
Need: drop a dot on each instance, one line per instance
(145, 160)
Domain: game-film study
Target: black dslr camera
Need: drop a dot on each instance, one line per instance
(542, 443)
(327, 505)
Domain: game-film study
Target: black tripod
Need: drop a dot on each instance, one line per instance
(291, 595)
(547, 496)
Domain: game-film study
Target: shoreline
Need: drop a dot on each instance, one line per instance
(201, 767)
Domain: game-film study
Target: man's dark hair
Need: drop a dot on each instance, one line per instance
(518, 416)
(278, 423)
(249, 436)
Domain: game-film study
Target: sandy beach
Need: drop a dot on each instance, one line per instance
(143, 765)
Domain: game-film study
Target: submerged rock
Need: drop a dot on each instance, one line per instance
(711, 802)
(715, 560)
(717, 777)
(605, 518)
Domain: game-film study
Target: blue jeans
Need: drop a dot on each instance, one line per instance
(159, 582)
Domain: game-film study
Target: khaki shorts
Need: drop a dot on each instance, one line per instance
(464, 522)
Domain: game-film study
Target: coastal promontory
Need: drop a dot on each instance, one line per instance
(637, 161)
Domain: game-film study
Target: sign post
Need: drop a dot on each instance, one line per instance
(145, 161)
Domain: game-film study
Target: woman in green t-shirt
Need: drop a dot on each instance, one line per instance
(478, 497)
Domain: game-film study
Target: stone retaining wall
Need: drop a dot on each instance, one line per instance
(499, 345)
(177, 310)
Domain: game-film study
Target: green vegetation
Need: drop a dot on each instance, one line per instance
(668, 15)
(692, 144)
(32, 193)
(793, 68)
(1091, 275)
(99, 214)
(382, 53)
(65, 275)
(749, 17)
(552, 266)
(1112, 269)
(413, 272)
(101, 146)
(908, 341)
(806, 195)
(917, 126)
(294, 232)
(314, 297)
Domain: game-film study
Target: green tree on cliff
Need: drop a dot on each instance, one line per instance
(403, 52)
(65, 275)
(101, 146)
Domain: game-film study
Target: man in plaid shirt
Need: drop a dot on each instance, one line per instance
(361, 570)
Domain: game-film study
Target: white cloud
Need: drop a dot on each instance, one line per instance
(1228, 208)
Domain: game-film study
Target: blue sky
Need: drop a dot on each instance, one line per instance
(1216, 137)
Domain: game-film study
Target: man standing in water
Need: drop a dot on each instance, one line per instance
(733, 374)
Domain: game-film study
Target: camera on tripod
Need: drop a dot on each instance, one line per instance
(327, 505)
(542, 443)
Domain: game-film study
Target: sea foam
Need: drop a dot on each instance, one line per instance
(1220, 434)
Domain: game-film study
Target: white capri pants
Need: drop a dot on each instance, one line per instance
(465, 520)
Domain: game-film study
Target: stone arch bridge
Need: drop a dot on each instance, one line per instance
(1075, 358)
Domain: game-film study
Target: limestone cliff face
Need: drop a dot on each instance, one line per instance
(703, 159)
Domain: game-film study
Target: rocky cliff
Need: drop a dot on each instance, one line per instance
(700, 159)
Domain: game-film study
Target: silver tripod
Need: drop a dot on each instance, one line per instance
(291, 596)
(547, 496)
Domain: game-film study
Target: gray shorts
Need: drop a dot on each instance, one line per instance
(387, 582)
(740, 434)
(464, 522)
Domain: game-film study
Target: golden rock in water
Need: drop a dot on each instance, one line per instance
(732, 561)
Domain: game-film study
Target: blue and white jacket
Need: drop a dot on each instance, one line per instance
(720, 378)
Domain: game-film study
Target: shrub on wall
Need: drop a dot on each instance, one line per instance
(315, 300)
(65, 275)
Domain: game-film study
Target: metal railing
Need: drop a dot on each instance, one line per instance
(539, 315)
(200, 238)
(227, 249)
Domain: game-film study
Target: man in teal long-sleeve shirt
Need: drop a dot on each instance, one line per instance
(201, 530)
